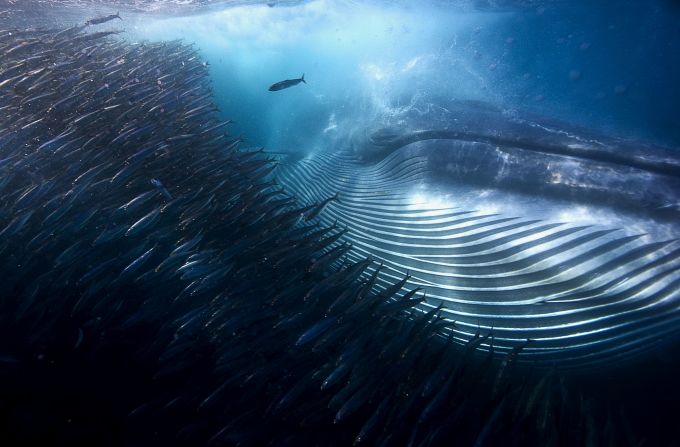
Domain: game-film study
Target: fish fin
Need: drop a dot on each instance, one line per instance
(303, 78)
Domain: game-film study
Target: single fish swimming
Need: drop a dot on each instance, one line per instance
(316, 210)
(157, 183)
(286, 84)
(104, 19)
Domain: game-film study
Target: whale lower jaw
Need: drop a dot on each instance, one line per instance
(586, 283)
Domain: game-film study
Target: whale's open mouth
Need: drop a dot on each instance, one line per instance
(532, 231)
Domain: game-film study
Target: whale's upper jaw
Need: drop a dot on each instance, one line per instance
(485, 147)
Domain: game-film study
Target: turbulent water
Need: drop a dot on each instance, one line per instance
(450, 220)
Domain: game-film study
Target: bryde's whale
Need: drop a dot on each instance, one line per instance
(529, 228)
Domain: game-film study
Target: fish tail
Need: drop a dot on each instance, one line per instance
(303, 78)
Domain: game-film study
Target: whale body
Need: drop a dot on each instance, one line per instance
(531, 229)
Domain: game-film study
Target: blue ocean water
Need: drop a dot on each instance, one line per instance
(511, 165)
(611, 66)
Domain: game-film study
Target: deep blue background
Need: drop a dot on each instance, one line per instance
(609, 64)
